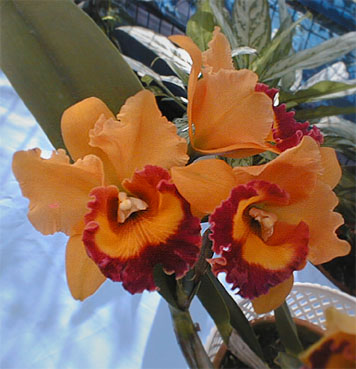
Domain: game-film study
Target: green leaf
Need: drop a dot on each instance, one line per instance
(269, 54)
(175, 57)
(243, 50)
(324, 111)
(252, 23)
(286, 46)
(166, 285)
(201, 25)
(287, 330)
(238, 319)
(222, 17)
(54, 55)
(313, 57)
(337, 126)
(284, 16)
(287, 361)
(212, 301)
(316, 92)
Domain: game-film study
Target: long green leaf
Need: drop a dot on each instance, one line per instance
(313, 57)
(284, 16)
(237, 317)
(175, 57)
(318, 91)
(200, 26)
(249, 32)
(287, 330)
(223, 19)
(212, 301)
(54, 55)
(268, 55)
(324, 111)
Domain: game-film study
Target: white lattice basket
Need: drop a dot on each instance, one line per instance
(306, 301)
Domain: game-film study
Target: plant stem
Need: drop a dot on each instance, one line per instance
(287, 330)
(189, 340)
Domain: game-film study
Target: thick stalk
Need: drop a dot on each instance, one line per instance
(189, 340)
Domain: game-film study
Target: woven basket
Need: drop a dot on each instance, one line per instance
(306, 301)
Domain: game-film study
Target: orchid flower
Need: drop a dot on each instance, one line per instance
(268, 220)
(116, 201)
(229, 113)
(337, 348)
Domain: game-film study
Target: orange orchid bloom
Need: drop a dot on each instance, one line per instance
(117, 201)
(337, 348)
(268, 220)
(229, 113)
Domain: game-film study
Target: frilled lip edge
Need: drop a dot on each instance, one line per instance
(177, 254)
(287, 132)
(253, 279)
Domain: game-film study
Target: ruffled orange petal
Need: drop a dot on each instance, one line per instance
(186, 43)
(140, 136)
(252, 262)
(332, 172)
(83, 275)
(58, 191)
(273, 298)
(228, 114)
(204, 184)
(317, 212)
(218, 55)
(295, 170)
(165, 233)
(76, 123)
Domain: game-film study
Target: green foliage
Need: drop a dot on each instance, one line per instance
(287, 330)
(201, 25)
(238, 320)
(318, 91)
(279, 45)
(311, 58)
(214, 304)
(223, 20)
(54, 55)
(249, 32)
(287, 361)
(324, 111)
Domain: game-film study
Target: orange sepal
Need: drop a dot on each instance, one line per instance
(58, 191)
(83, 275)
(204, 184)
(273, 298)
